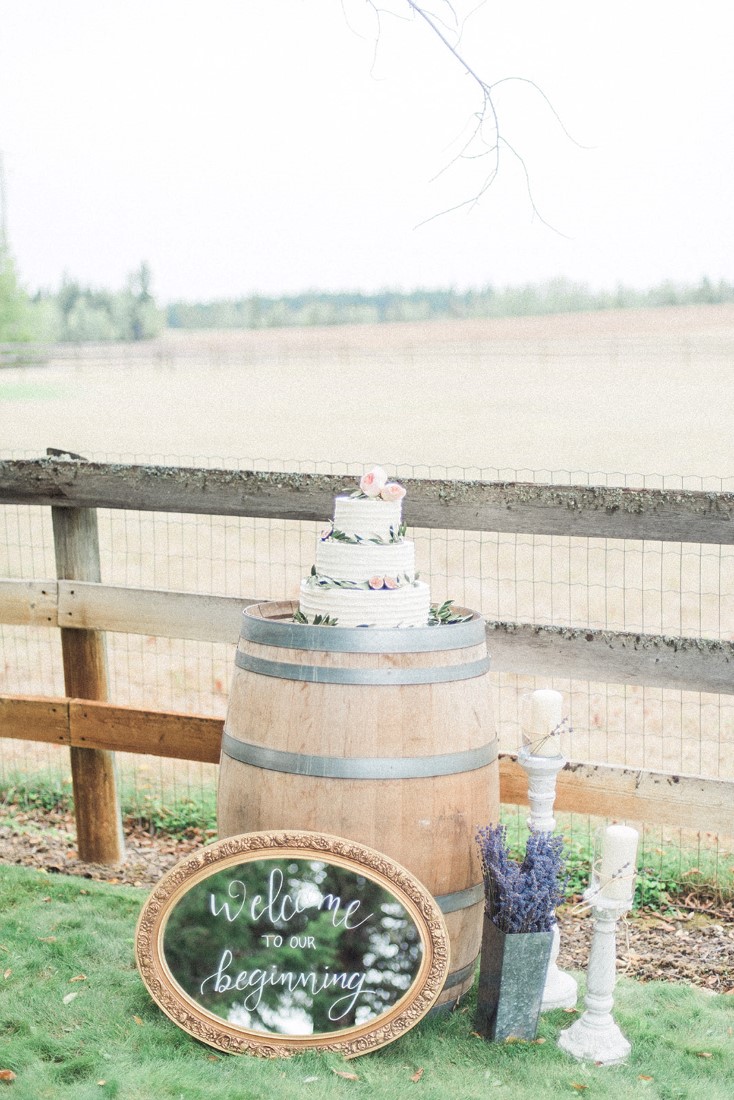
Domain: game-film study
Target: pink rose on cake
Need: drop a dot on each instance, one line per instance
(376, 582)
(392, 491)
(373, 482)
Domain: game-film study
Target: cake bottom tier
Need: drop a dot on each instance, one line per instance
(407, 606)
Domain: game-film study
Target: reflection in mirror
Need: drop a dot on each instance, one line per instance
(292, 946)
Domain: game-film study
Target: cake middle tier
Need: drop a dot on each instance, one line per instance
(363, 560)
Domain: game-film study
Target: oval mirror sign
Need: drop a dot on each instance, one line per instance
(271, 943)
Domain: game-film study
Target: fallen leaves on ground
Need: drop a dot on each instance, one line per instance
(417, 1075)
(691, 947)
(346, 1076)
(7, 1075)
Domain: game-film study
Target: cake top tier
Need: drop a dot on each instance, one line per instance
(367, 519)
(373, 511)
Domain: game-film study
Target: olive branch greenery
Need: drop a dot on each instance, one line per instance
(318, 620)
(442, 615)
(396, 535)
(319, 580)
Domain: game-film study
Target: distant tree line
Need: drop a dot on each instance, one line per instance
(75, 312)
(341, 308)
(81, 313)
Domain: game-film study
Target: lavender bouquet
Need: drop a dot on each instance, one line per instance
(522, 897)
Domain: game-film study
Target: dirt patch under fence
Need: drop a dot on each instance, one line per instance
(691, 943)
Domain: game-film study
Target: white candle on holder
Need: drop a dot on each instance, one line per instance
(618, 862)
(544, 717)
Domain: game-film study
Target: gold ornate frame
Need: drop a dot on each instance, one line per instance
(352, 1041)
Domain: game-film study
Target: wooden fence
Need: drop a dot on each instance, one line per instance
(82, 607)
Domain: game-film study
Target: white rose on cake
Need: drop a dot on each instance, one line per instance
(373, 482)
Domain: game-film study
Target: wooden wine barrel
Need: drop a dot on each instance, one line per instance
(383, 736)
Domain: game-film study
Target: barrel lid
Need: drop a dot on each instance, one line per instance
(272, 624)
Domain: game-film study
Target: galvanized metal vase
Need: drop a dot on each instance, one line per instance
(512, 976)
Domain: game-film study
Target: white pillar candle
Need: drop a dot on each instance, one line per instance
(618, 862)
(545, 716)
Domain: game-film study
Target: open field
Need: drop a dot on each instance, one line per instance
(648, 391)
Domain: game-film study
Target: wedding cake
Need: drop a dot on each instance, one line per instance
(364, 572)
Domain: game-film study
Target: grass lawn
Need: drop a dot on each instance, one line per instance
(76, 1021)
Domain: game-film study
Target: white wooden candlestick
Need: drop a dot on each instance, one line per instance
(542, 773)
(595, 1037)
(561, 990)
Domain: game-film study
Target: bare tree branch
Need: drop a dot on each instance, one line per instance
(487, 130)
(549, 105)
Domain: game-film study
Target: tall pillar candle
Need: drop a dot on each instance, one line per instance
(618, 862)
(545, 717)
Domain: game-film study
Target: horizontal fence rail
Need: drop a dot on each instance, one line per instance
(693, 664)
(87, 605)
(598, 789)
(580, 511)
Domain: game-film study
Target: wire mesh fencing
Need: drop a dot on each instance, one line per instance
(677, 589)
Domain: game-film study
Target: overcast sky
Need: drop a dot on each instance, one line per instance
(279, 145)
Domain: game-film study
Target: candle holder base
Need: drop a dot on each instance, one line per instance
(561, 990)
(589, 1042)
(595, 1037)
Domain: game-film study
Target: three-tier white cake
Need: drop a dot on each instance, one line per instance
(364, 573)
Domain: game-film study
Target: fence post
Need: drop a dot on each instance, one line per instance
(96, 805)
